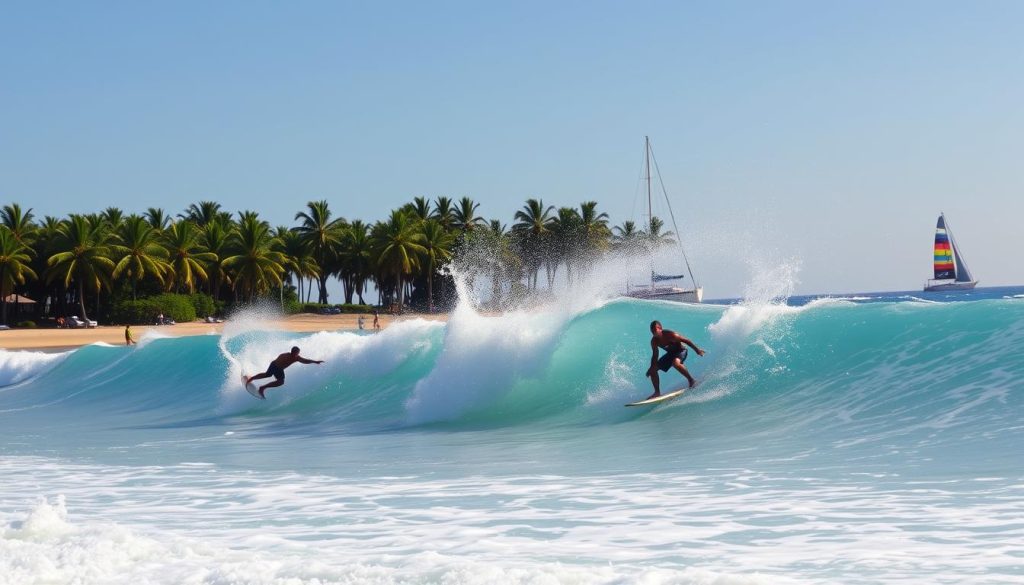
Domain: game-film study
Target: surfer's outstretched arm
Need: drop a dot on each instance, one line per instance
(652, 372)
(682, 339)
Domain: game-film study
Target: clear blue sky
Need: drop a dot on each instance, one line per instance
(827, 132)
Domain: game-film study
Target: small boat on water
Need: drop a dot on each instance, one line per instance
(664, 292)
(951, 272)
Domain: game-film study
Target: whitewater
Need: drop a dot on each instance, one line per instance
(870, 438)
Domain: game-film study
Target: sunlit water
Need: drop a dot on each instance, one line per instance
(867, 439)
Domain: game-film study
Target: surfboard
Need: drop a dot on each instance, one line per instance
(252, 389)
(658, 399)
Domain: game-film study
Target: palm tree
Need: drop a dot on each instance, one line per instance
(593, 230)
(464, 216)
(82, 257)
(215, 238)
(655, 237)
(397, 246)
(42, 239)
(19, 222)
(355, 258)
(201, 213)
(444, 212)
(324, 236)
(188, 258)
(255, 263)
(140, 252)
(157, 218)
(14, 268)
(565, 242)
(626, 236)
(533, 226)
(437, 246)
(421, 208)
(113, 217)
(298, 256)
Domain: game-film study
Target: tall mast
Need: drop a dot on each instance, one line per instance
(650, 213)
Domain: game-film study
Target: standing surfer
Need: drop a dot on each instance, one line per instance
(675, 355)
(276, 369)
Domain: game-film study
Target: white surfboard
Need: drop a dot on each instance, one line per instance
(252, 389)
(657, 399)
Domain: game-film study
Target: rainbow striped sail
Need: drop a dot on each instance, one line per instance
(951, 271)
(944, 267)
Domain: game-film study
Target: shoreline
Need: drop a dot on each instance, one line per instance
(61, 340)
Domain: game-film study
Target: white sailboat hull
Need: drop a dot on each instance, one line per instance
(669, 293)
(946, 286)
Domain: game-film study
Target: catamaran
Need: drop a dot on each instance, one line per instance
(664, 292)
(951, 272)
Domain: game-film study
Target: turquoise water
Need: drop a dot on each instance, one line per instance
(867, 439)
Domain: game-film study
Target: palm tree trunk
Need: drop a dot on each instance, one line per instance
(323, 288)
(401, 291)
(430, 289)
(81, 300)
(3, 298)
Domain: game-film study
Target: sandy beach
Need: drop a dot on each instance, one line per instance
(64, 339)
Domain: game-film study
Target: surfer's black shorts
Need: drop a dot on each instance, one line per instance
(276, 371)
(665, 361)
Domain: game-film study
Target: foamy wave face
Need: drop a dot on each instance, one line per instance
(19, 366)
(347, 354)
(482, 356)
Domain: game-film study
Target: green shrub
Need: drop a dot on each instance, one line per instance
(27, 324)
(140, 312)
(145, 311)
(175, 306)
(204, 305)
(354, 308)
(319, 307)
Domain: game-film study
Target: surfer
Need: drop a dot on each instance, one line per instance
(276, 369)
(128, 339)
(675, 355)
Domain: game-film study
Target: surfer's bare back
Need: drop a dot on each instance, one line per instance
(675, 355)
(276, 369)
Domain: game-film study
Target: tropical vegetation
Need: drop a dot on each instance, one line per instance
(117, 266)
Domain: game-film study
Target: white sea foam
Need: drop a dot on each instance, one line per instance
(200, 523)
(481, 355)
(352, 354)
(19, 366)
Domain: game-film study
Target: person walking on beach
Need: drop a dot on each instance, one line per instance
(128, 339)
(675, 355)
(376, 320)
(277, 367)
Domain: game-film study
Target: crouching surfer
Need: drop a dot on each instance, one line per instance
(675, 355)
(277, 367)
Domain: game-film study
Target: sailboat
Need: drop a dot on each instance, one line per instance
(951, 272)
(694, 294)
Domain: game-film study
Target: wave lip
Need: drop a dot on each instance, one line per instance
(20, 366)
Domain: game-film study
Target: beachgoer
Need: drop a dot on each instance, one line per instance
(376, 320)
(128, 339)
(360, 321)
(277, 367)
(160, 319)
(675, 355)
